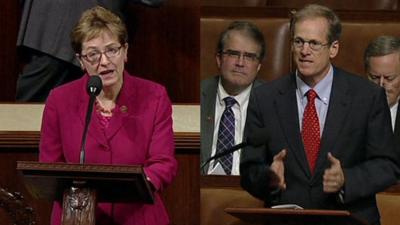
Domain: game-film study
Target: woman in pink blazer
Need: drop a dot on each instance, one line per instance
(131, 122)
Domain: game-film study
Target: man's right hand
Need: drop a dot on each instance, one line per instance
(278, 167)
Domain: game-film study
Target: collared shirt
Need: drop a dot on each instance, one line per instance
(240, 112)
(323, 90)
(393, 113)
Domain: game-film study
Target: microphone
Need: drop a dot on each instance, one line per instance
(256, 139)
(94, 87)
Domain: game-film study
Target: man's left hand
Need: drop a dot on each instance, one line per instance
(333, 176)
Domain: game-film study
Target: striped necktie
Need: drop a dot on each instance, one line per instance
(226, 135)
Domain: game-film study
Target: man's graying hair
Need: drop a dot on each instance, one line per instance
(246, 28)
(381, 46)
(313, 11)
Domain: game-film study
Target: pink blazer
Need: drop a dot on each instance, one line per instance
(139, 133)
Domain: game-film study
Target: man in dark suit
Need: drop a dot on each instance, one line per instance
(240, 50)
(382, 65)
(329, 141)
(44, 34)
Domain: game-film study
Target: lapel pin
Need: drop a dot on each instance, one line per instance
(124, 109)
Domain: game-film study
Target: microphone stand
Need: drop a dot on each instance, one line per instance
(225, 152)
(87, 121)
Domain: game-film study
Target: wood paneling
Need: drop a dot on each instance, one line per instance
(219, 192)
(181, 198)
(164, 46)
(225, 3)
(372, 5)
(9, 22)
(334, 4)
(10, 180)
(371, 10)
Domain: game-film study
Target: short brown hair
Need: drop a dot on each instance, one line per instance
(318, 11)
(248, 29)
(93, 22)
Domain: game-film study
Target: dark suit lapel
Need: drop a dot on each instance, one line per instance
(339, 104)
(286, 106)
(124, 103)
(256, 84)
(209, 94)
(116, 121)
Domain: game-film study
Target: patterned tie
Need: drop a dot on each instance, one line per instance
(226, 135)
(311, 131)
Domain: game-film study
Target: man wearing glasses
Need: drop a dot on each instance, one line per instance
(330, 145)
(224, 98)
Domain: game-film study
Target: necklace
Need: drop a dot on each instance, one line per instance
(104, 111)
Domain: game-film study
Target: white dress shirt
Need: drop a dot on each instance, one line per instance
(240, 112)
(393, 113)
(323, 90)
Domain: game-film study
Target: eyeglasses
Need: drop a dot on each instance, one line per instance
(94, 56)
(313, 44)
(247, 56)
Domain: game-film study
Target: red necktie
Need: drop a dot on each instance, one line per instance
(311, 131)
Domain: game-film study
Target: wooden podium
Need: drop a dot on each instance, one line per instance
(268, 216)
(81, 186)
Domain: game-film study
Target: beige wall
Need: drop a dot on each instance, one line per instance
(28, 117)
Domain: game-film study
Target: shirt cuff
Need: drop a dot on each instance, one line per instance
(340, 196)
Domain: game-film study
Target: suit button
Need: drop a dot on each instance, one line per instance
(105, 147)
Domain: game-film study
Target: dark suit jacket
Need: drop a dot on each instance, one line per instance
(207, 107)
(46, 24)
(357, 131)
